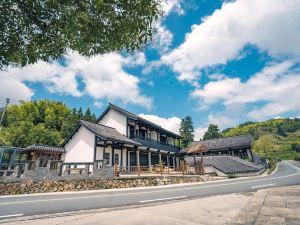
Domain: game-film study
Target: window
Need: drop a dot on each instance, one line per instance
(131, 131)
(107, 157)
(117, 159)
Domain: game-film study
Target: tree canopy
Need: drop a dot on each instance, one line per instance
(212, 132)
(33, 30)
(40, 122)
(186, 131)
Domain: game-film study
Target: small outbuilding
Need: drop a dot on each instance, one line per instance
(234, 146)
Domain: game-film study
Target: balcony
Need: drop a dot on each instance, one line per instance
(157, 145)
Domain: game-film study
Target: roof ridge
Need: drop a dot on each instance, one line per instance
(110, 104)
(98, 124)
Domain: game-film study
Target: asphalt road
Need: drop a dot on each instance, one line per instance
(288, 173)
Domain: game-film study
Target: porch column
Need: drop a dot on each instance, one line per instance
(249, 154)
(149, 158)
(177, 161)
(137, 157)
(159, 156)
(112, 155)
(125, 157)
(168, 159)
(173, 161)
(128, 158)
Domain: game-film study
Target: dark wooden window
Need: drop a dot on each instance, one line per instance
(107, 157)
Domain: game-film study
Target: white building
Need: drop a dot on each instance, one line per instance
(122, 138)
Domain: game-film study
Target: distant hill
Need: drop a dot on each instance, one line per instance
(272, 138)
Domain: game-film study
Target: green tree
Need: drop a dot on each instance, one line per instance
(44, 30)
(186, 131)
(88, 115)
(212, 132)
(40, 122)
(263, 145)
(80, 114)
(280, 131)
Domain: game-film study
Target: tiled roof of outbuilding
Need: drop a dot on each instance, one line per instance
(221, 143)
(43, 148)
(227, 164)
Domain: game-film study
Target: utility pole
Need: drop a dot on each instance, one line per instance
(3, 112)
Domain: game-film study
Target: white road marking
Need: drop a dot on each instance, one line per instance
(147, 192)
(162, 199)
(297, 168)
(7, 216)
(265, 185)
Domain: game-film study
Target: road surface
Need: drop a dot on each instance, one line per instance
(288, 173)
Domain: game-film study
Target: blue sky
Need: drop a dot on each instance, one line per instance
(221, 62)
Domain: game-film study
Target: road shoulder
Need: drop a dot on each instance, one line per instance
(271, 206)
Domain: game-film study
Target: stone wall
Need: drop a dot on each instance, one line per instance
(43, 186)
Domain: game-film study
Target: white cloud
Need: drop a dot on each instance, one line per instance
(172, 6)
(98, 104)
(171, 124)
(163, 38)
(12, 88)
(271, 25)
(276, 88)
(103, 77)
(199, 132)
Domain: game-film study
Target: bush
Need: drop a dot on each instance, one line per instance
(297, 158)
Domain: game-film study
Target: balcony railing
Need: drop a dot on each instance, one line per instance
(157, 145)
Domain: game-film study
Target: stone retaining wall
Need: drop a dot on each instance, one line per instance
(43, 186)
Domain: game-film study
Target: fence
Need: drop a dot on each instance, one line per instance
(53, 169)
(183, 169)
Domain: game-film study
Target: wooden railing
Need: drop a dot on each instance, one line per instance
(157, 170)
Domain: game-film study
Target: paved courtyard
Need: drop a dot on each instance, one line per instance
(277, 206)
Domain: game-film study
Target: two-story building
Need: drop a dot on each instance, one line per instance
(122, 138)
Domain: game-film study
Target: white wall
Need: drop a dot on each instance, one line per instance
(116, 120)
(81, 147)
(99, 153)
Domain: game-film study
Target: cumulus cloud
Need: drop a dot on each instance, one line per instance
(171, 124)
(199, 132)
(163, 38)
(103, 77)
(172, 5)
(276, 88)
(271, 25)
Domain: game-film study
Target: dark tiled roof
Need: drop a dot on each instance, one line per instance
(225, 143)
(227, 164)
(43, 148)
(107, 133)
(135, 117)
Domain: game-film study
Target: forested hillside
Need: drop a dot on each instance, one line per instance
(272, 138)
(40, 122)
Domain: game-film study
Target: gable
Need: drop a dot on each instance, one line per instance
(115, 119)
